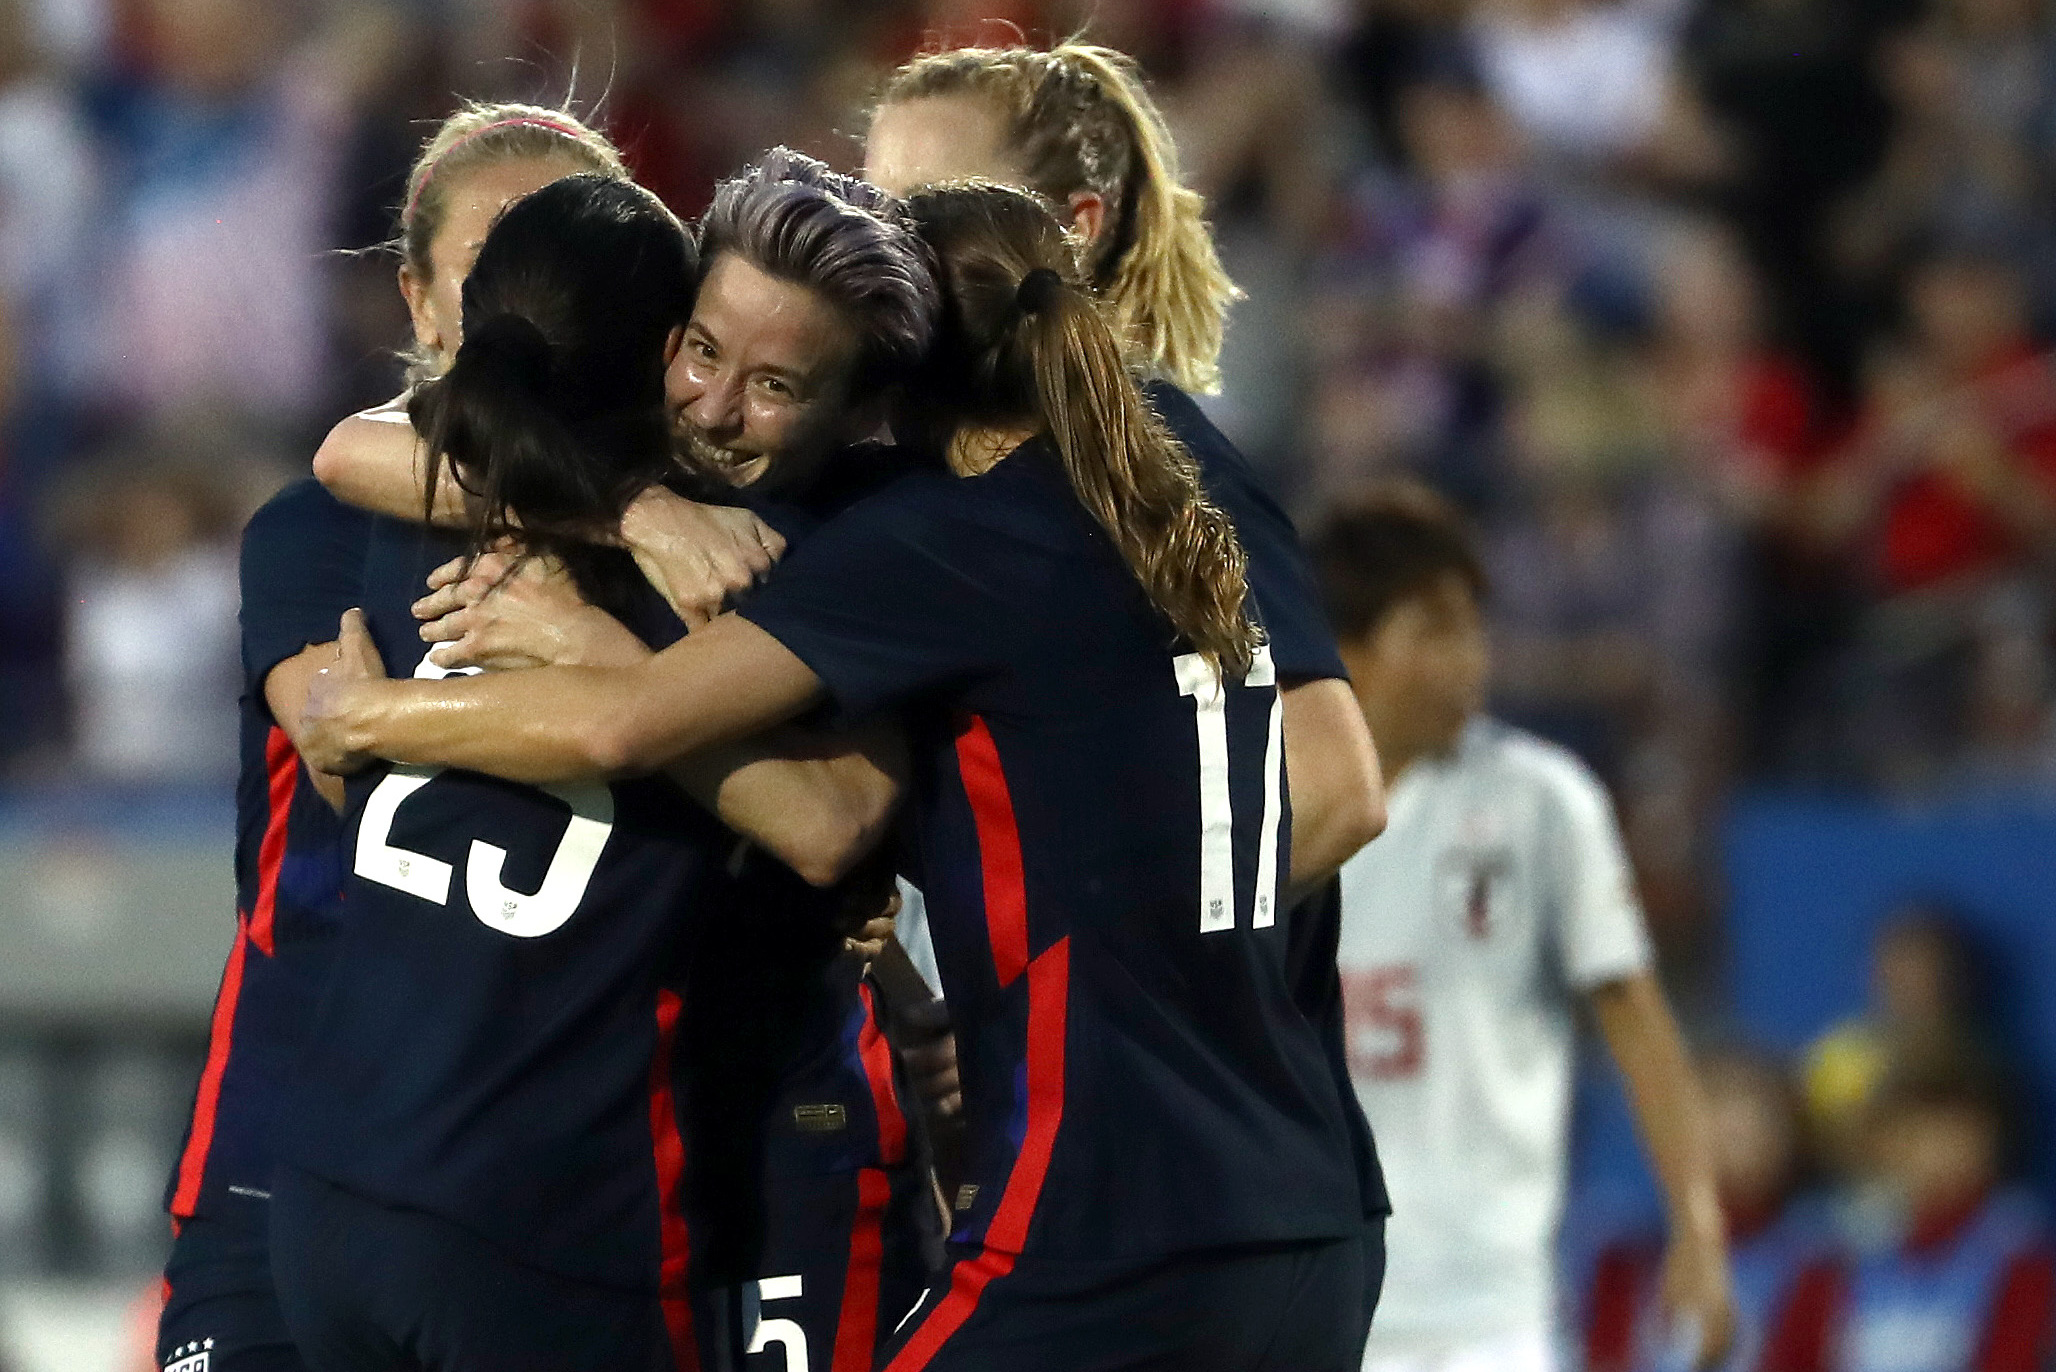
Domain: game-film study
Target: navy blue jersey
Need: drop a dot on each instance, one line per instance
(1280, 581)
(495, 1046)
(1101, 829)
(302, 554)
(783, 1070)
(1303, 647)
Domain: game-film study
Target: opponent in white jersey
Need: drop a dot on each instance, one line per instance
(1498, 895)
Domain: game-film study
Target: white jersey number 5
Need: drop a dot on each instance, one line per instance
(1198, 679)
(519, 913)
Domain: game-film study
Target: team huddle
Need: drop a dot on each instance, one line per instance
(714, 594)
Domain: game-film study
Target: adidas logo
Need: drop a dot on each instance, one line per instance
(192, 1357)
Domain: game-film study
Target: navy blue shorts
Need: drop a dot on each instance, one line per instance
(1272, 1308)
(220, 1310)
(369, 1288)
(843, 1261)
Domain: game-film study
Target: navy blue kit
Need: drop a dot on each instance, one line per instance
(1101, 829)
(302, 558)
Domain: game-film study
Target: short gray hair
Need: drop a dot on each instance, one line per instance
(841, 237)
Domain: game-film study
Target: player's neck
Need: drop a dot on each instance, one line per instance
(975, 450)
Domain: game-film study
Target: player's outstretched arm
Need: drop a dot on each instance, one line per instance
(1670, 1111)
(727, 682)
(1331, 771)
(816, 800)
(374, 461)
(819, 802)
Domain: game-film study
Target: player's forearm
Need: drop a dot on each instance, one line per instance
(817, 802)
(285, 694)
(374, 461)
(726, 682)
(1331, 767)
(1663, 1091)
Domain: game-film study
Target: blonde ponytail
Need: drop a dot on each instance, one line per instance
(1078, 118)
(1162, 275)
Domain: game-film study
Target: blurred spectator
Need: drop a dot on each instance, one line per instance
(1926, 992)
(1781, 1241)
(1593, 86)
(1749, 431)
(1610, 570)
(1969, 1285)
(43, 188)
(1415, 268)
(1793, 88)
(219, 128)
(44, 182)
(1969, 89)
(151, 636)
(1949, 488)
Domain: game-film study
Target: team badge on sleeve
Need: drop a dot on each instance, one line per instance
(192, 1357)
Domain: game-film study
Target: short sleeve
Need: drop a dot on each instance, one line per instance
(887, 601)
(1600, 933)
(1302, 644)
(302, 566)
(1281, 581)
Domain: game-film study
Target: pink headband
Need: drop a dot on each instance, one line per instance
(519, 121)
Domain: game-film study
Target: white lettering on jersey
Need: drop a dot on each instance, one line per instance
(1198, 678)
(520, 914)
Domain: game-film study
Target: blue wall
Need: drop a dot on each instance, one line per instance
(1809, 881)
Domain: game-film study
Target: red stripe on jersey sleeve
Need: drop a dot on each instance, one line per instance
(967, 1282)
(282, 776)
(999, 848)
(856, 1331)
(667, 1147)
(876, 1055)
(192, 1164)
(1049, 993)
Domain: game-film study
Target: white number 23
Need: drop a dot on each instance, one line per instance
(521, 914)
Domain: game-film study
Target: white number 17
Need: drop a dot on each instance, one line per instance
(1198, 679)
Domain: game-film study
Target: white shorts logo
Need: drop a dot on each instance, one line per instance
(192, 1357)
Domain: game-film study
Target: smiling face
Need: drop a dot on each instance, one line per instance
(764, 376)
(473, 200)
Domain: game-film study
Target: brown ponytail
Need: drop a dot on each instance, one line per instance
(1025, 339)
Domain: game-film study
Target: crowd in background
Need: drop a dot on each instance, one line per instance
(1724, 318)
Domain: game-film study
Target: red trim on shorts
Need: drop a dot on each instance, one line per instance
(192, 1165)
(667, 1148)
(1049, 990)
(999, 848)
(856, 1331)
(282, 772)
(876, 1055)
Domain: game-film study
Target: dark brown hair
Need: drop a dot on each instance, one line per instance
(552, 414)
(1025, 342)
(1394, 540)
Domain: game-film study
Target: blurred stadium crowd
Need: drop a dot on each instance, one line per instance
(1725, 318)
